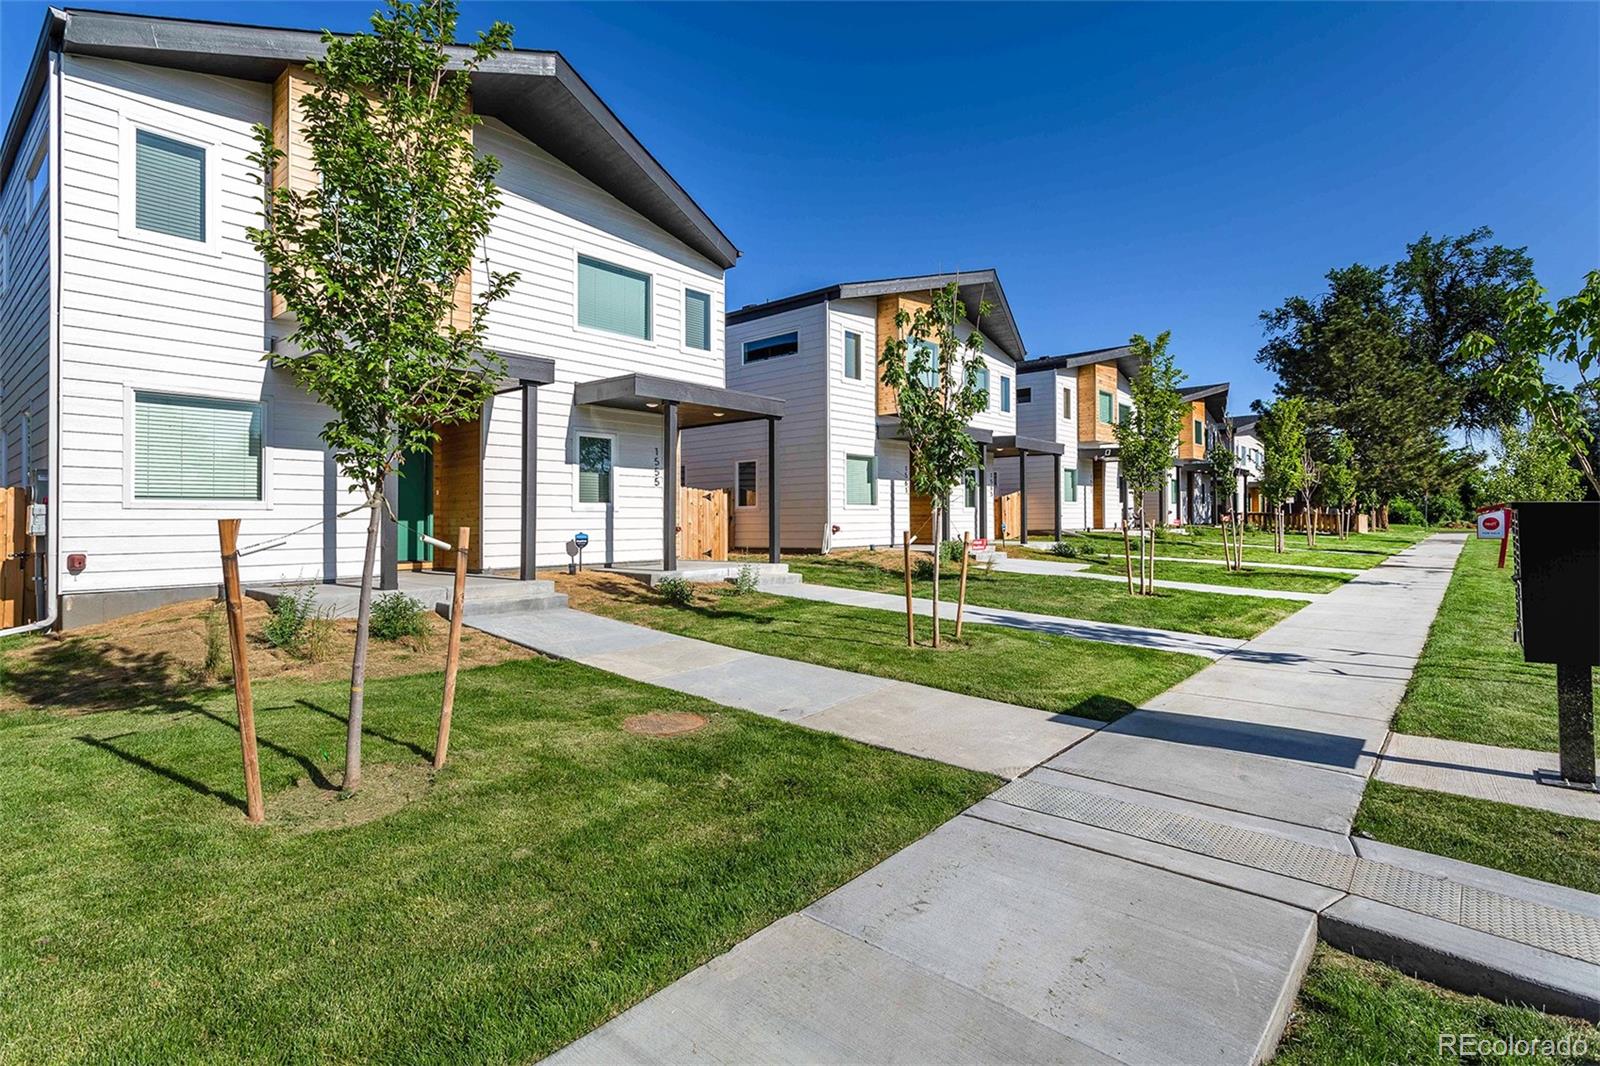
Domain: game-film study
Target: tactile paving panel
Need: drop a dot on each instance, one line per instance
(1537, 925)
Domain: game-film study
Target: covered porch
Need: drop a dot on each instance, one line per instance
(1015, 446)
(921, 507)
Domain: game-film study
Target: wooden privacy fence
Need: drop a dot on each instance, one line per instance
(1008, 516)
(703, 523)
(16, 597)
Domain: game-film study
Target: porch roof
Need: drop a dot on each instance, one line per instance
(1012, 444)
(889, 429)
(525, 370)
(698, 405)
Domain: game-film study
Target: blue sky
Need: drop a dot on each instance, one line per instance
(1125, 167)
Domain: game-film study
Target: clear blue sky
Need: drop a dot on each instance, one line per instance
(1125, 167)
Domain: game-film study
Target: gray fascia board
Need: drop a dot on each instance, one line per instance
(671, 390)
(1028, 445)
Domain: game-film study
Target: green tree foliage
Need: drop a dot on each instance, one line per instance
(1282, 429)
(939, 380)
(367, 260)
(1338, 489)
(1220, 457)
(1529, 462)
(1147, 437)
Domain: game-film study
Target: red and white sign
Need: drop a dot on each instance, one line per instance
(1492, 525)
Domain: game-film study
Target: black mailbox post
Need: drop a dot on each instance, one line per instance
(1557, 575)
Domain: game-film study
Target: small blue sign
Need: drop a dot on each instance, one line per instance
(581, 539)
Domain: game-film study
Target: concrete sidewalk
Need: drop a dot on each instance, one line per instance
(1053, 569)
(1105, 632)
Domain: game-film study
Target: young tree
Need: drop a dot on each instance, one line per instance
(1282, 430)
(367, 260)
(1310, 480)
(1223, 477)
(1339, 480)
(1147, 438)
(938, 380)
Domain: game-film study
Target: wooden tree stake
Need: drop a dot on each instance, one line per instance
(228, 535)
(911, 618)
(961, 593)
(452, 655)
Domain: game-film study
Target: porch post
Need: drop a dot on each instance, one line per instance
(530, 482)
(983, 491)
(1022, 489)
(669, 487)
(389, 542)
(774, 532)
(1057, 480)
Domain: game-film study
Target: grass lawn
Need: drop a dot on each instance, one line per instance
(1538, 844)
(1249, 578)
(1359, 551)
(1060, 674)
(1357, 1013)
(559, 869)
(1100, 601)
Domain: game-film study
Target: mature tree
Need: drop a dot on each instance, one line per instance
(1567, 333)
(1147, 437)
(367, 260)
(939, 379)
(1282, 429)
(1530, 462)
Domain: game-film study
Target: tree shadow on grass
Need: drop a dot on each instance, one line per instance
(177, 777)
(76, 676)
(367, 730)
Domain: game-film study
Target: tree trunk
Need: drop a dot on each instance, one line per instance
(938, 564)
(358, 663)
(1227, 549)
(1127, 548)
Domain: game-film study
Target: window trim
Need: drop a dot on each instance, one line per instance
(756, 464)
(577, 470)
(683, 340)
(744, 347)
(1067, 410)
(1005, 394)
(1199, 433)
(872, 480)
(131, 122)
(1069, 482)
(650, 290)
(1105, 407)
(130, 501)
(1020, 399)
(844, 361)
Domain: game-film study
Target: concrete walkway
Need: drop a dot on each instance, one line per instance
(979, 734)
(1150, 895)
(1053, 625)
(1053, 569)
(1251, 563)
(1504, 775)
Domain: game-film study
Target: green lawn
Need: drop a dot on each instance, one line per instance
(1060, 674)
(556, 871)
(1101, 601)
(1357, 1013)
(1358, 552)
(1250, 577)
(1471, 683)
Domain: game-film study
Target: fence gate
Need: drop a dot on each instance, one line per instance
(1008, 515)
(15, 596)
(703, 523)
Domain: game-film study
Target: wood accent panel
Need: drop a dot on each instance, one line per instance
(922, 518)
(703, 523)
(458, 490)
(14, 598)
(1187, 448)
(1092, 381)
(1008, 516)
(888, 308)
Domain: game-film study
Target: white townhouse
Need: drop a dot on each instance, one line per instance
(138, 391)
(1249, 461)
(1190, 495)
(843, 463)
(1074, 402)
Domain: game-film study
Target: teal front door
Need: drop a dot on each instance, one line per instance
(415, 508)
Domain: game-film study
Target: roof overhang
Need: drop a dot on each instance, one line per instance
(1013, 444)
(889, 428)
(525, 370)
(536, 93)
(1122, 355)
(976, 286)
(698, 405)
(1215, 397)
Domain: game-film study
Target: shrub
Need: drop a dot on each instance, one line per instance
(218, 661)
(676, 591)
(951, 549)
(1446, 511)
(922, 568)
(286, 625)
(316, 643)
(1065, 549)
(1403, 512)
(396, 616)
(748, 581)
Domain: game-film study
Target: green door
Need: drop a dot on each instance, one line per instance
(415, 507)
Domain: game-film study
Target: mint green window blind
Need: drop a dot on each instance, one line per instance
(613, 298)
(594, 470)
(1069, 486)
(982, 380)
(1124, 412)
(860, 480)
(852, 355)
(192, 448)
(1005, 394)
(169, 186)
(697, 320)
(930, 373)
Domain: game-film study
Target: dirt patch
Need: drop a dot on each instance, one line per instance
(385, 788)
(158, 659)
(664, 723)
(590, 588)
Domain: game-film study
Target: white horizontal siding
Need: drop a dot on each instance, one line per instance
(25, 311)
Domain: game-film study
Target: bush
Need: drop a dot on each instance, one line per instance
(316, 643)
(1404, 513)
(748, 581)
(1446, 511)
(396, 616)
(922, 568)
(676, 591)
(286, 625)
(951, 550)
(1065, 549)
(218, 662)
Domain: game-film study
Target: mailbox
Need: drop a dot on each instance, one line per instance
(1557, 573)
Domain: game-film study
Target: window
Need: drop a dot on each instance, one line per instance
(970, 483)
(982, 381)
(613, 298)
(1107, 406)
(860, 480)
(194, 448)
(746, 484)
(169, 186)
(1066, 403)
(697, 320)
(594, 469)
(1199, 433)
(771, 347)
(930, 376)
(1124, 412)
(852, 355)
(39, 176)
(1005, 394)
(1024, 396)
(1069, 486)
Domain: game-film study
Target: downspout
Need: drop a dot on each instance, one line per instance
(53, 399)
